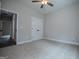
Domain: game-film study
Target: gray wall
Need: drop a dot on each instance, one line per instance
(24, 18)
(63, 24)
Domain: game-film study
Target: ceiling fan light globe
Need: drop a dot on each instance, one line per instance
(42, 2)
(45, 2)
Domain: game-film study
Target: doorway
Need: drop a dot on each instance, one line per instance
(8, 24)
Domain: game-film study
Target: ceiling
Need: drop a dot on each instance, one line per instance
(57, 4)
(47, 9)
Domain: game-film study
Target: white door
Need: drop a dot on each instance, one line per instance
(37, 28)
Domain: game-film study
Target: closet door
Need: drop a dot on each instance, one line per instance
(37, 28)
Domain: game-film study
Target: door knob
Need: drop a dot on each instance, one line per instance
(38, 30)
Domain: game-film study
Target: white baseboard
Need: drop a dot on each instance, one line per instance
(27, 41)
(46, 38)
(62, 41)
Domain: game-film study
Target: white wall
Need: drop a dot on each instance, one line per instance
(24, 18)
(0, 3)
(63, 24)
(78, 52)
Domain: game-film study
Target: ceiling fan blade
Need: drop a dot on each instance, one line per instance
(50, 4)
(36, 1)
(42, 6)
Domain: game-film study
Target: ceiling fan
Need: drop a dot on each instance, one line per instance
(43, 2)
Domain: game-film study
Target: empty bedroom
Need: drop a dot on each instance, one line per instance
(39, 29)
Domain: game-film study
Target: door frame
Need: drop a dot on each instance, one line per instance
(14, 18)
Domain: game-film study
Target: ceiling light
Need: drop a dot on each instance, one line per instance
(44, 2)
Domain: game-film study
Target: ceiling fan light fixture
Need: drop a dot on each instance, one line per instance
(44, 2)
